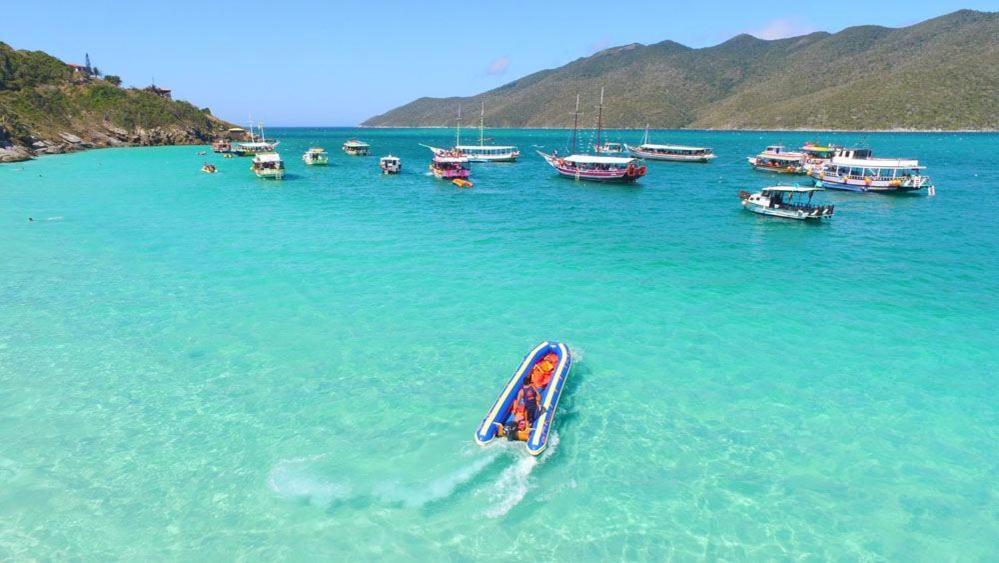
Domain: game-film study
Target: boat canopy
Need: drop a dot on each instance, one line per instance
(593, 159)
(451, 159)
(875, 162)
(389, 158)
(651, 146)
(267, 157)
(792, 189)
(485, 148)
(356, 144)
(255, 144)
(317, 150)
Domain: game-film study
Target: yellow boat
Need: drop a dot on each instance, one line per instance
(461, 183)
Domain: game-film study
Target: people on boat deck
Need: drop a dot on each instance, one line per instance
(530, 398)
(526, 406)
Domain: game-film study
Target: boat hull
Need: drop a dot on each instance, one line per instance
(851, 185)
(270, 174)
(785, 213)
(615, 175)
(537, 440)
(648, 155)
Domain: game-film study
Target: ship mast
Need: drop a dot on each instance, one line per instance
(575, 124)
(600, 116)
(645, 140)
(251, 127)
(482, 120)
(457, 129)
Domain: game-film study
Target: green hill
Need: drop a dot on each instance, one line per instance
(939, 74)
(47, 106)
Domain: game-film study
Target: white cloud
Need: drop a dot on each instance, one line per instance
(783, 27)
(498, 66)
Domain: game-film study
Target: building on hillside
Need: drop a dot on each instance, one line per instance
(161, 92)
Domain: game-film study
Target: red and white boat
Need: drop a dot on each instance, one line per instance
(595, 168)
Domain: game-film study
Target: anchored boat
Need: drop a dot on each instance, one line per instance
(480, 152)
(316, 156)
(872, 175)
(449, 166)
(790, 202)
(268, 165)
(354, 147)
(390, 164)
(672, 153)
(596, 168)
(502, 417)
(776, 159)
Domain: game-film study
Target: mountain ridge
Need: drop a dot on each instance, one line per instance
(939, 74)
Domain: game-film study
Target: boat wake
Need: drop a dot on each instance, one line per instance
(293, 479)
(514, 482)
(438, 489)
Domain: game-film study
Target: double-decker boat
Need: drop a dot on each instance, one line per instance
(268, 165)
(354, 147)
(449, 166)
(872, 175)
(790, 202)
(672, 153)
(595, 168)
(814, 155)
(390, 164)
(776, 159)
(316, 156)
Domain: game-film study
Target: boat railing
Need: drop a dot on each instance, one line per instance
(807, 208)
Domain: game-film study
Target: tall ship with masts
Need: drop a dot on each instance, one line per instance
(256, 145)
(480, 152)
(594, 167)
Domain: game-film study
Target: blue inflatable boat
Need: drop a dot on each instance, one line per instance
(501, 412)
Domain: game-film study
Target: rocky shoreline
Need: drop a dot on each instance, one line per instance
(106, 135)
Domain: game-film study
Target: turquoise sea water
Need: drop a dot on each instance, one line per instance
(204, 366)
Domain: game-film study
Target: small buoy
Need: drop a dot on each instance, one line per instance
(932, 191)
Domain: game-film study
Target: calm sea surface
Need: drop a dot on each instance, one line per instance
(200, 366)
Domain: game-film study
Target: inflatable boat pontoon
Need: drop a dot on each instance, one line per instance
(502, 410)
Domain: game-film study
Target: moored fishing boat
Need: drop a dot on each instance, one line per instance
(354, 147)
(672, 153)
(872, 175)
(790, 202)
(449, 166)
(268, 165)
(595, 168)
(316, 156)
(390, 164)
(776, 159)
(549, 364)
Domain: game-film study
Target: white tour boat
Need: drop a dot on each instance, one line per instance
(480, 152)
(671, 153)
(814, 155)
(390, 164)
(776, 159)
(872, 175)
(256, 145)
(316, 156)
(268, 165)
(610, 148)
(790, 202)
(354, 147)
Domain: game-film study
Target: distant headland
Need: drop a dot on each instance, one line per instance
(48, 106)
(938, 75)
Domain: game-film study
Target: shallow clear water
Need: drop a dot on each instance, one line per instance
(198, 366)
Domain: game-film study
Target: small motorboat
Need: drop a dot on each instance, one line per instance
(354, 147)
(790, 202)
(268, 165)
(390, 164)
(461, 183)
(316, 156)
(209, 168)
(557, 356)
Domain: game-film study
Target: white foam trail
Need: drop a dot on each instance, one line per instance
(437, 489)
(294, 480)
(513, 483)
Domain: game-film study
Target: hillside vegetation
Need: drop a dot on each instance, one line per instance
(939, 74)
(47, 107)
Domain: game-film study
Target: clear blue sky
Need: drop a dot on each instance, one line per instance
(339, 62)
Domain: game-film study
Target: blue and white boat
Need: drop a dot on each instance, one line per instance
(872, 175)
(501, 411)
